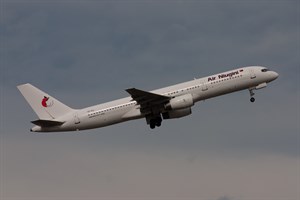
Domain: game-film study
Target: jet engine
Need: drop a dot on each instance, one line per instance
(180, 102)
(177, 113)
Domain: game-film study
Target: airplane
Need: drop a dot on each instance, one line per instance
(155, 106)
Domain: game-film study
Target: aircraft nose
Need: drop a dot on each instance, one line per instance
(274, 75)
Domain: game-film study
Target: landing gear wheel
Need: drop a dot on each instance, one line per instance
(252, 99)
(152, 124)
(158, 121)
(155, 122)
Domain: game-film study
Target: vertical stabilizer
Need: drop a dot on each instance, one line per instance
(44, 105)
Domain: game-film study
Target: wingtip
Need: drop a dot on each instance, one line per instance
(130, 89)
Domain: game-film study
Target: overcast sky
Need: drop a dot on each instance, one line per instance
(89, 52)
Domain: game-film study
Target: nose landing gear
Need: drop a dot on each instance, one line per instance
(252, 99)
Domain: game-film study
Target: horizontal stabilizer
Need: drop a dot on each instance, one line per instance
(47, 123)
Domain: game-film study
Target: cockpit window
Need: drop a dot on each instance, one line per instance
(264, 70)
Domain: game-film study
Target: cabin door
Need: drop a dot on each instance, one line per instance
(252, 74)
(76, 119)
(204, 86)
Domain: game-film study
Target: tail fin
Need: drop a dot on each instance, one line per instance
(45, 106)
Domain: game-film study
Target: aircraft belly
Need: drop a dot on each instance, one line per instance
(134, 113)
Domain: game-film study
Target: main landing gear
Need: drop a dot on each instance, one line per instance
(252, 99)
(155, 122)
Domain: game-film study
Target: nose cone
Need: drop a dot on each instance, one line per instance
(274, 75)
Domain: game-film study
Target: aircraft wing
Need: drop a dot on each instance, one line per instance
(148, 100)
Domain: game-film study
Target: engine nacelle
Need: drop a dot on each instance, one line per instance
(177, 113)
(180, 102)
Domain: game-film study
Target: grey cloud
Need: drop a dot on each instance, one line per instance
(68, 49)
(224, 198)
(72, 48)
(130, 36)
(71, 169)
(88, 53)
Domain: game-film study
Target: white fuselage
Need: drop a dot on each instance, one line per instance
(125, 109)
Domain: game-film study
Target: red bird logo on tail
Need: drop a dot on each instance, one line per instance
(44, 102)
